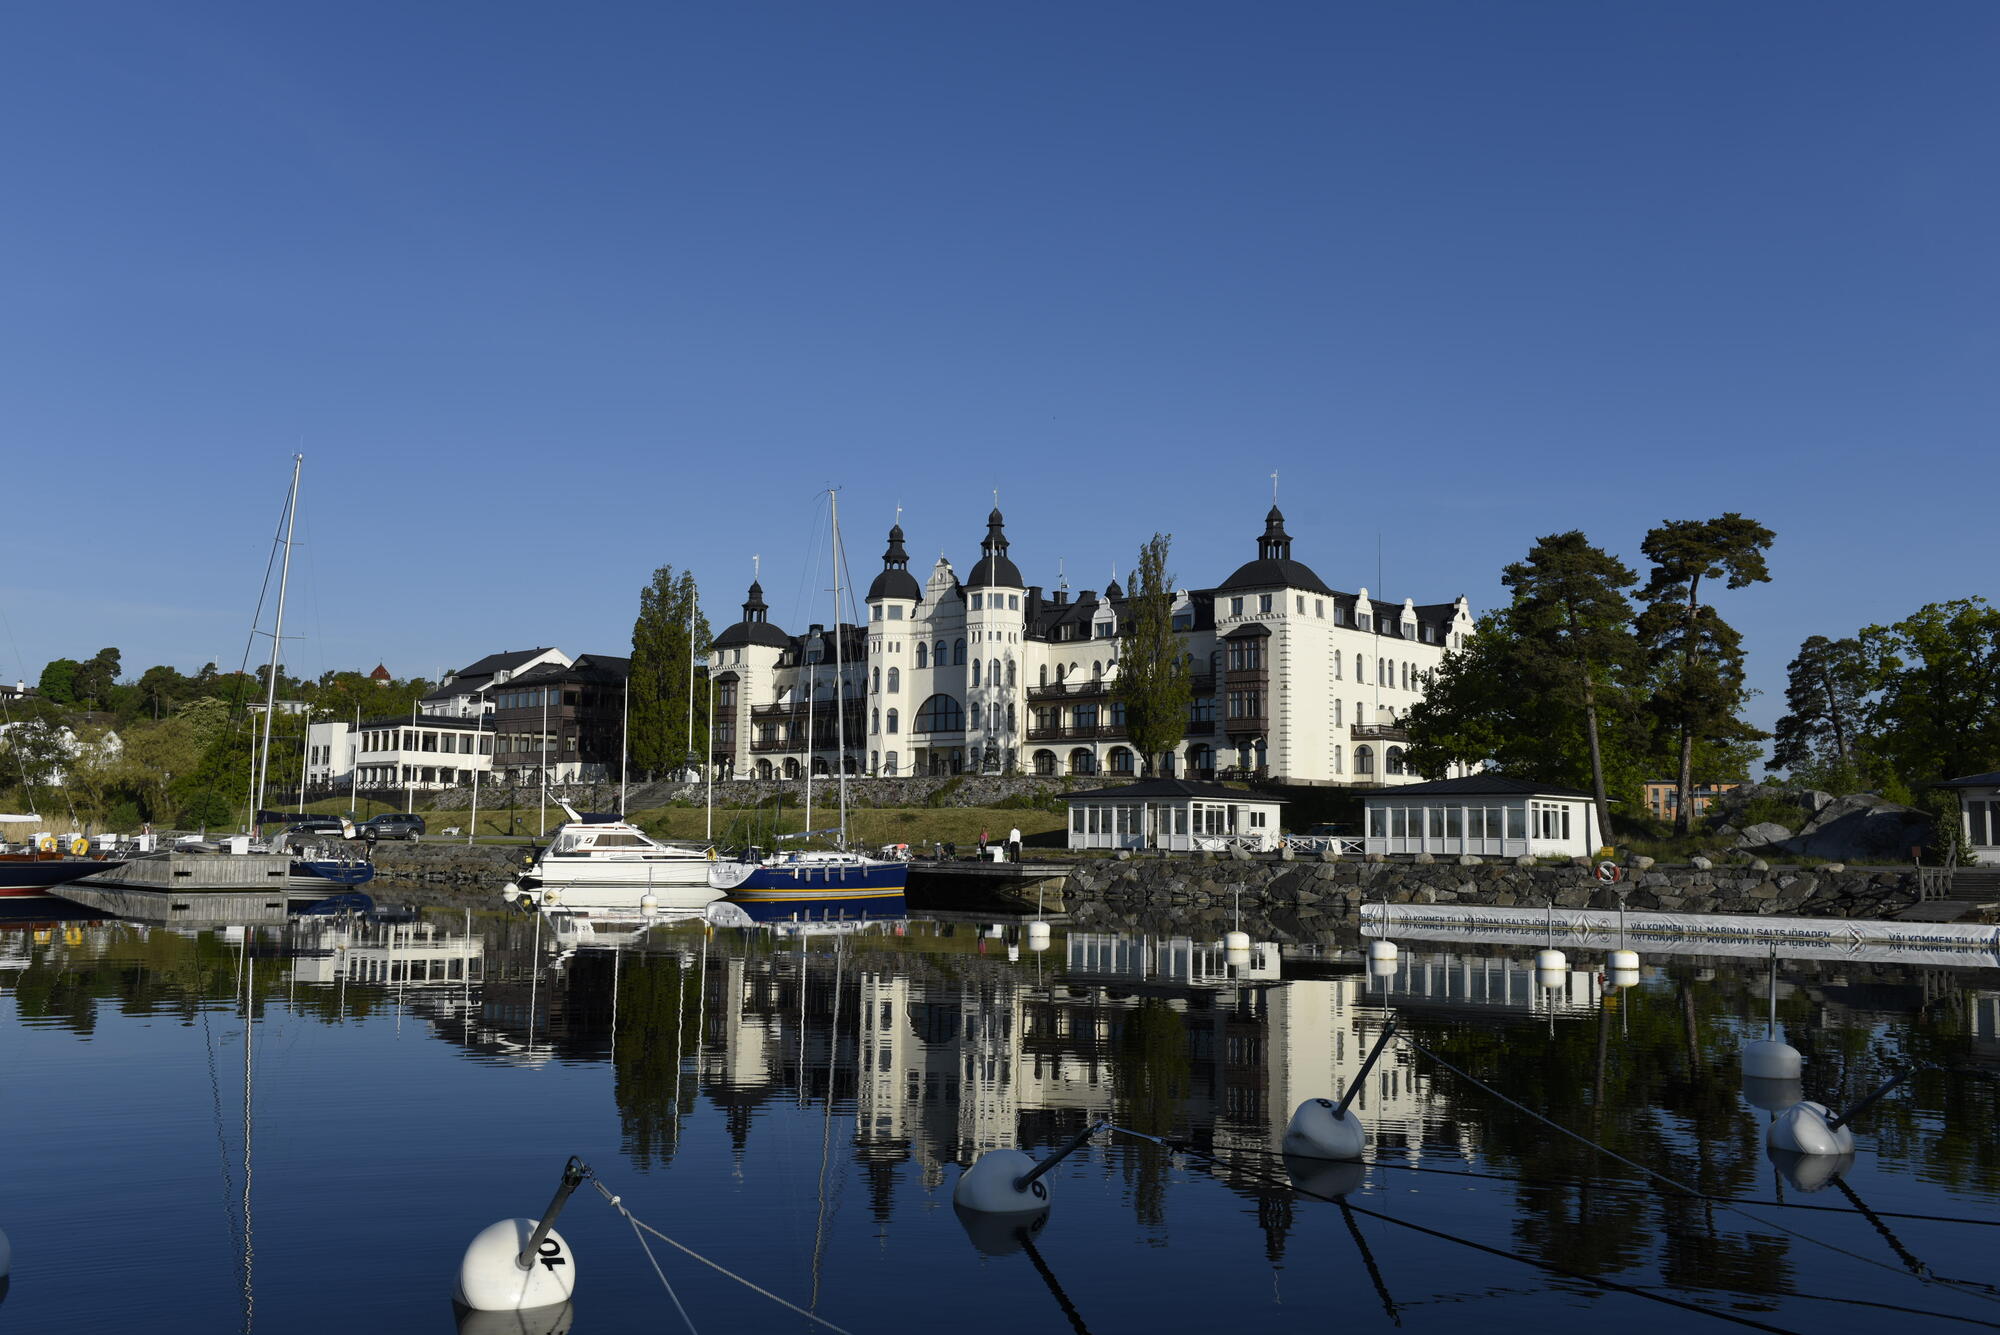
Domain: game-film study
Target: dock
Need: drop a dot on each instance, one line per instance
(201, 888)
(967, 884)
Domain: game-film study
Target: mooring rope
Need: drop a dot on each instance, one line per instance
(617, 1203)
(1549, 1266)
(1960, 1286)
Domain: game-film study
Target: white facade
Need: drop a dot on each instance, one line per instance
(425, 754)
(1979, 816)
(1293, 681)
(1484, 816)
(464, 694)
(1172, 814)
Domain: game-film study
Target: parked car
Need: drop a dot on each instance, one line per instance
(393, 825)
(319, 827)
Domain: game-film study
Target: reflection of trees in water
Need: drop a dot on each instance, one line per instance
(657, 1003)
(1151, 1075)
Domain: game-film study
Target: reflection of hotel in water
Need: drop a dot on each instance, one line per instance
(948, 1067)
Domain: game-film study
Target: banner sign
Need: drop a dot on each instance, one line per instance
(1953, 945)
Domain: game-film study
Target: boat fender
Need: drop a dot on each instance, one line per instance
(711, 855)
(80, 846)
(47, 843)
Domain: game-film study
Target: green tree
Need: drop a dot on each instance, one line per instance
(58, 681)
(663, 657)
(1827, 690)
(1696, 658)
(1573, 634)
(160, 689)
(1155, 680)
(1936, 714)
(95, 679)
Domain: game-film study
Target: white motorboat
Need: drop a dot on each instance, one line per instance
(604, 863)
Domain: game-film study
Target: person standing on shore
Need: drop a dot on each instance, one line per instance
(1014, 844)
(984, 839)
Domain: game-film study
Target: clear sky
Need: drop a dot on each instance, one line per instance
(551, 295)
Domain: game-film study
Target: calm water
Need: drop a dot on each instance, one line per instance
(797, 1109)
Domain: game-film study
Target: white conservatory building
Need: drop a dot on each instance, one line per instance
(1172, 814)
(1484, 815)
(986, 673)
(1979, 812)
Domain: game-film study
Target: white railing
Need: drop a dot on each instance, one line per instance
(1351, 846)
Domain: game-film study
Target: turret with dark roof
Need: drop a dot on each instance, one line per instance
(895, 581)
(993, 569)
(754, 628)
(1274, 567)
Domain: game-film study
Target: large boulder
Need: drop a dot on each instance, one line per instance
(1724, 807)
(1862, 827)
(1764, 834)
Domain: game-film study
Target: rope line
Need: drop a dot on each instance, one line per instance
(646, 1247)
(617, 1204)
(1794, 1234)
(1549, 1266)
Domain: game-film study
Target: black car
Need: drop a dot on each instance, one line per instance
(393, 825)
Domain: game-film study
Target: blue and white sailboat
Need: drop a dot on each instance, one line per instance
(817, 879)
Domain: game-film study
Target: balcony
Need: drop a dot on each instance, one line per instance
(1379, 732)
(1200, 728)
(1247, 725)
(855, 704)
(1102, 732)
(1095, 688)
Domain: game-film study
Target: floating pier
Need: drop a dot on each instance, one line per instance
(190, 888)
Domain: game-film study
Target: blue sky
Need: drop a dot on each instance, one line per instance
(550, 296)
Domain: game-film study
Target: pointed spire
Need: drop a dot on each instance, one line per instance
(1276, 544)
(754, 607)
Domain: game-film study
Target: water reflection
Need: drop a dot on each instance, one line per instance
(919, 1046)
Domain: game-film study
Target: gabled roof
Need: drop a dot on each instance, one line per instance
(1974, 781)
(505, 661)
(1478, 785)
(1249, 630)
(1176, 788)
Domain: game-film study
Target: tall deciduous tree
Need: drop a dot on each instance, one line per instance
(1155, 681)
(670, 632)
(1695, 656)
(1937, 714)
(1572, 625)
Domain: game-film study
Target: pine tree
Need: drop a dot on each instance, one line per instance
(1573, 635)
(663, 656)
(1695, 656)
(1826, 695)
(1155, 681)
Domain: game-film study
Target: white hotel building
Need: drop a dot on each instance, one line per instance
(1294, 682)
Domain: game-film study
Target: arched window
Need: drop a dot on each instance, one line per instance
(895, 680)
(1082, 762)
(763, 769)
(1045, 762)
(958, 653)
(923, 654)
(1364, 760)
(993, 672)
(1060, 671)
(1097, 671)
(892, 754)
(889, 758)
(940, 713)
(975, 716)
(1392, 761)
(1121, 760)
(1336, 760)
(877, 686)
(975, 672)
(1010, 672)
(1339, 661)
(874, 761)
(1357, 668)
(875, 720)
(791, 768)
(1010, 716)
(1045, 675)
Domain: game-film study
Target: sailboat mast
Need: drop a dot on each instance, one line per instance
(277, 638)
(839, 674)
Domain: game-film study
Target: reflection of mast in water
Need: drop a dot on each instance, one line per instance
(826, 1127)
(249, 1002)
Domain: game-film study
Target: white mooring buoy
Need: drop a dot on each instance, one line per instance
(1381, 950)
(1323, 1129)
(1008, 1182)
(1038, 931)
(1551, 959)
(1622, 960)
(1236, 940)
(1809, 1128)
(649, 904)
(521, 1264)
(1768, 1059)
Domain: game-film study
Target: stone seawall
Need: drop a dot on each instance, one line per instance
(958, 790)
(1309, 900)
(439, 872)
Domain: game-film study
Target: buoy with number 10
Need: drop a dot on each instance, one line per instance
(519, 1264)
